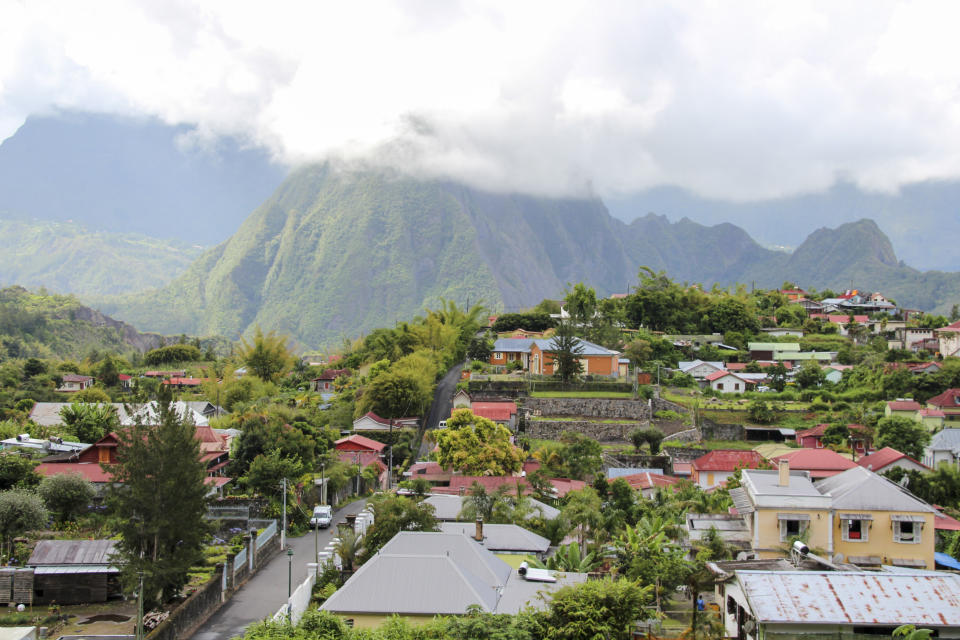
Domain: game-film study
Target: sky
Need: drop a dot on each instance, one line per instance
(734, 100)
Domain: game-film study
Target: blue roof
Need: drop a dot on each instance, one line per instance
(943, 560)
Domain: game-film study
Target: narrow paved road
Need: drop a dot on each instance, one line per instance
(266, 591)
(441, 406)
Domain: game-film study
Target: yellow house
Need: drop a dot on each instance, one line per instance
(856, 517)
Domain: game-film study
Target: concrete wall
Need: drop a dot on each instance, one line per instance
(204, 602)
(192, 613)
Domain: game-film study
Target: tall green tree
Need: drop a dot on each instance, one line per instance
(474, 445)
(159, 502)
(903, 434)
(567, 350)
(266, 356)
(597, 609)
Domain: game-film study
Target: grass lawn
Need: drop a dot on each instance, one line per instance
(582, 394)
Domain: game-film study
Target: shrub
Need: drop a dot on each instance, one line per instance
(66, 494)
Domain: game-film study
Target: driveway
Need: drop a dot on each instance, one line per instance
(266, 591)
(442, 404)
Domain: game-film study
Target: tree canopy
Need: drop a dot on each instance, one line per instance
(474, 445)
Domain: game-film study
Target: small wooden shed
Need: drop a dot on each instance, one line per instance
(74, 571)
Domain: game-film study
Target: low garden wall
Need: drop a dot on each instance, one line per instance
(188, 617)
(711, 430)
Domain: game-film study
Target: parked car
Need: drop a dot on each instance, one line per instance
(322, 516)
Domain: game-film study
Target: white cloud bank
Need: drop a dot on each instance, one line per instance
(735, 100)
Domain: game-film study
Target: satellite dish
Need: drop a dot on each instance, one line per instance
(749, 626)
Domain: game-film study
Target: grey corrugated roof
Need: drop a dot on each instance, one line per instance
(412, 584)
(741, 501)
(945, 440)
(926, 599)
(860, 489)
(464, 551)
(519, 594)
(63, 552)
(501, 537)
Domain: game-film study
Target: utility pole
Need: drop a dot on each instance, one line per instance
(323, 486)
(283, 533)
(390, 471)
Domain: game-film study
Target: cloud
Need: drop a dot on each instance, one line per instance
(736, 100)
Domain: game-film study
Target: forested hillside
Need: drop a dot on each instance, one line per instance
(42, 325)
(332, 255)
(69, 258)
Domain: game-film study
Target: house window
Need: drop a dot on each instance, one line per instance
(497, 355)
(792, 525)
(736, 386)
(906, 531)
(719, 386)
(855, 529)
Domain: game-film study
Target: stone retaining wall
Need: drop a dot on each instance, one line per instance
(683, 454)
(600, 431)
(606, 408)
(188, 617)
(720, 431)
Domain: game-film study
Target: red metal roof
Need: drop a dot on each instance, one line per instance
(716, 375)
(185, 382)
(359, 443)
(820, 428)
(89, 470)
(496, 411)
(905, 405)
(943, 522)
(951, 327)
(882, 458)
(821, 463)
(216, 481)
(562, 486)
(839, 318)
(949, 399)
(932, 413)
(728, 460)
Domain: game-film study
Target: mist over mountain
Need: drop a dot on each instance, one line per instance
(922, 219)
(331, 255)
(131, 175)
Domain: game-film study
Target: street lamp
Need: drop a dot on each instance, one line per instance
(140, 607)
(289, 581)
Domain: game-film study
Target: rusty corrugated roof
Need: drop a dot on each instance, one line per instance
(926, 599)
(48, 552)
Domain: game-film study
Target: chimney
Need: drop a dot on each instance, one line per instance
(478, 536)
(784, 469)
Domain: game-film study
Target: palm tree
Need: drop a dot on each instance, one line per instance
(348, 547)
(569, 558)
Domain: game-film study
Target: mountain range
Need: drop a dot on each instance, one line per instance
(332, 254)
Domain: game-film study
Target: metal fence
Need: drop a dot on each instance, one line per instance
(266, 534)
(237, 512)
(240, 561)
